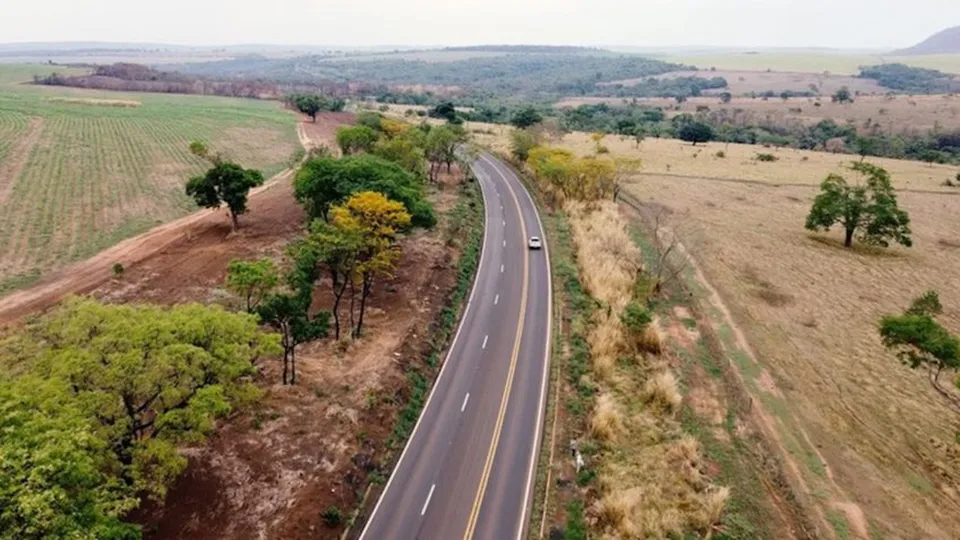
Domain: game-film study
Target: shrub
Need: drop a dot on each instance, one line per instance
(661, 392)
(332, 517)
(767, 157)
(606, 423)
(721, 154)
(636, 318)
(602, 149)
(117, 269)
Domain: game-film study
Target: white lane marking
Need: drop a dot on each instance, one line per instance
(427, 502)
(485, 338)
(466, 398)
(501, 268)
(443, 368)
(504, 223)
(504, 243)
(496, 299)
(546, 358)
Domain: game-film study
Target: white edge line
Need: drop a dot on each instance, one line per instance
(443, 368)
(546, 369)
(427, 502)
(466, 398)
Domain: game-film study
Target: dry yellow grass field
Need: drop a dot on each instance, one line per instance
(893, 113)
(859, 428)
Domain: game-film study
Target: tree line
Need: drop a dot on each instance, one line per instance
(96, 400)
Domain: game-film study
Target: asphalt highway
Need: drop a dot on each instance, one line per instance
(467, 470)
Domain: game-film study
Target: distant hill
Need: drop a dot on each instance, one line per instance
(945, 42)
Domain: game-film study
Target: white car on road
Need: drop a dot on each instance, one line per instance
(535, 242)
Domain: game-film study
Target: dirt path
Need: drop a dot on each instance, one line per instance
(87, 275)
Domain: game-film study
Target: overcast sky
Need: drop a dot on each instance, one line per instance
(735, 23)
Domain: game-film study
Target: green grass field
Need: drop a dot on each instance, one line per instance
(79, 173)
(844, 64)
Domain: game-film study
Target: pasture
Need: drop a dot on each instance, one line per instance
(813, 62)
(81, 170)
(890, 114)
(862, 431)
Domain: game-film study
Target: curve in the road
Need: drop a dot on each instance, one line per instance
(467, 469)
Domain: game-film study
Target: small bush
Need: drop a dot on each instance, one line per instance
(332, 517)
(661, 391)
(384, 108)
(721, 154)
(767, 157)
(117, 269)
(606, 424)
(636, 318)
(650, 341)
(602, 149)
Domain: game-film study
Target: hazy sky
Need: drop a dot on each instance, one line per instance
(736, 23)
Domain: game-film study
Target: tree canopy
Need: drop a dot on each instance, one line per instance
(224, 183)
(696, 132)
(868, 211)
(921, 342)
(95, 399)
(323, 182)
(355, 139)
(526, 117)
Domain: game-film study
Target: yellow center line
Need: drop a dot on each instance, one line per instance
(504, 401)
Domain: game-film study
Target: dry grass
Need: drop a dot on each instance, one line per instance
(652, 479)
(662, 392)
(607, 422)
(856, 424)
(892, 114)
(97, 102)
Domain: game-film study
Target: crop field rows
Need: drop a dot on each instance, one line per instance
(77, 178)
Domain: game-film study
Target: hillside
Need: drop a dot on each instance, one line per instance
(944, 42)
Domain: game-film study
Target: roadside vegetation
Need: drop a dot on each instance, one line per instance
(647, 477)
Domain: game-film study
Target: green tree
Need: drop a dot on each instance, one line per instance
(441, 147)
(323, 182)
(696, 132)
(868, 211)
(145, 378)
(526, 117)
(444, 110)
(225, 183)
(923, 343)
(309, 104)
(726, 97)
(252, 280)
(355, 139)
(336, 249)
(405, 150)
(55, 472)
(371, 120)
(521, 142)
(289, 314)
(842, 95)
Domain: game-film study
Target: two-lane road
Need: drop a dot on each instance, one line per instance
(467, 470)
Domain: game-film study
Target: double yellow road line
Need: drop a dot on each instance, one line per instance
(505, 400)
